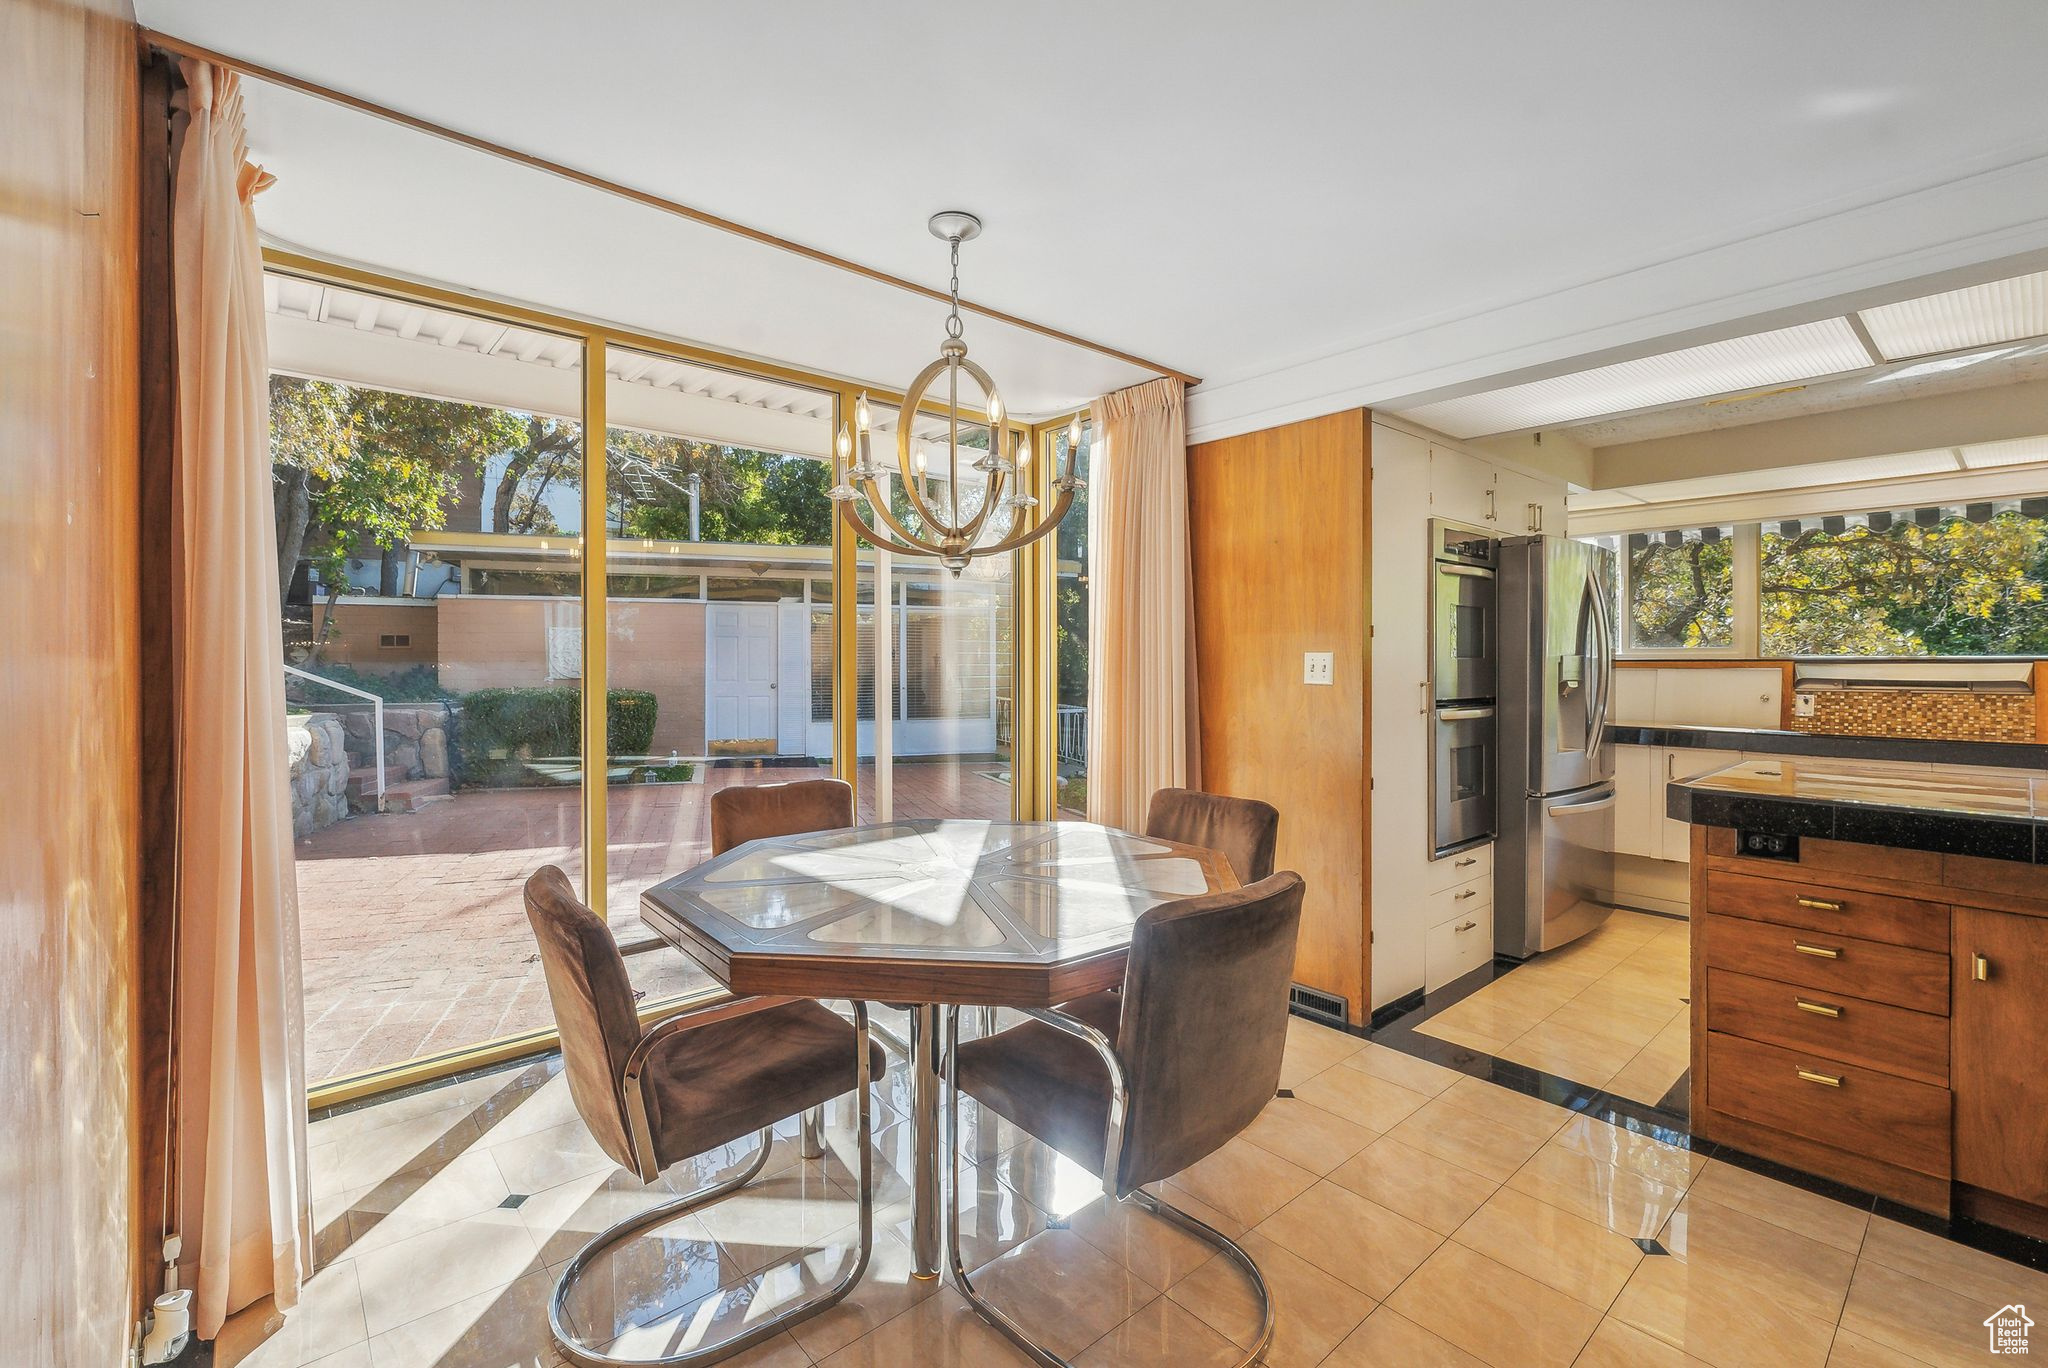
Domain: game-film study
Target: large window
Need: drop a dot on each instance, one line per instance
(442, 522)
(1948, 580)
(1680, 586)
(1953, 581)
(1070, 626)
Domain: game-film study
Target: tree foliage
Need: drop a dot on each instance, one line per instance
(356, 464)
(1956, 587)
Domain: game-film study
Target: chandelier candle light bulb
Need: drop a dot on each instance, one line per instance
(954, 541)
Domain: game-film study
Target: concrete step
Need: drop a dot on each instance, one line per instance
(413, 794)
(362, 781)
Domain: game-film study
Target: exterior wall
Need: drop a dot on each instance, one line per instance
(71, 828)
(492, 643)
(360, 624)
(487, 641)
(658, 645)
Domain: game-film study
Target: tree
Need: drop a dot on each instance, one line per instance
(1955, 587)
(353, 464)
(744, 496)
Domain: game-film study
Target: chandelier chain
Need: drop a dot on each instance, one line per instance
(954, 327)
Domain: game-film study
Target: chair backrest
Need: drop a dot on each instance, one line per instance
(1204, 1022)
(1244, 829)
(593, 1002)
(747, 812)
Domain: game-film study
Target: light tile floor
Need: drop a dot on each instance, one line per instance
(1608, 1010)
(1402, 1213)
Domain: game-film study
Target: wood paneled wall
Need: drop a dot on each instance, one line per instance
(1280, 528)
(68, 680)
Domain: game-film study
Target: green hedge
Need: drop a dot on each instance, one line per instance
(501, 729)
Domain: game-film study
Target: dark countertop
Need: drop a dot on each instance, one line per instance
(1997, 817)
(1777, 741)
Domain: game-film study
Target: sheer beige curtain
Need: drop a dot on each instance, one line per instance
(242, 1201)
(1142, 717)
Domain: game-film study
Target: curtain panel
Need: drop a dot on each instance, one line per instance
(242, 1204)
(1142, 715)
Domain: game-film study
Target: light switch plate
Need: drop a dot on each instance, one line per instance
(1802, 705)
(1318, 667)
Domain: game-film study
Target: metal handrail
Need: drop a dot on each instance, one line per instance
(377, 721)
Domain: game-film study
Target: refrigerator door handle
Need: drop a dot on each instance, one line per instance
(1605, 677)
(1551, 809)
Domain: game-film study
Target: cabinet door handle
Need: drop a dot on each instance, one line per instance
(1466, 926)
(1817, 951)
(1825, 1080)
(1465, 863)
(1980, 968)
(1424, 709)
(1464, 894)
(1817, 1008)
(1820, 904)
(1492, 509)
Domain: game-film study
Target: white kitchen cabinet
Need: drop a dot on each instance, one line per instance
(1735, 697)
(1456, 947)
(1641, 774)
(1636, 828)
(1678, 762)
(1403, 876)
(1528, 504)
(1466, 489)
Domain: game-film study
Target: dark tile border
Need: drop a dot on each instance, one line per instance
(1668, 1121)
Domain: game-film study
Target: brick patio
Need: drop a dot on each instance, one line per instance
(413, 937)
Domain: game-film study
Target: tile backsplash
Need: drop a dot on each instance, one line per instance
(1934, 714)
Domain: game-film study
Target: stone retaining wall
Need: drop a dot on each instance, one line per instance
(416, 737)
(316, 745)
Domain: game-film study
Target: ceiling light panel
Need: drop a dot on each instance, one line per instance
(1999, 312)
(1828, 347)
(2018, 451)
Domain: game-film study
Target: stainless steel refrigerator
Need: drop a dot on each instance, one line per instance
(1554, 861)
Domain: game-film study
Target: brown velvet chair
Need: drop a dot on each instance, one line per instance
(1243, 829)
(1138, 1086)
(748, 812)
(689, 1084)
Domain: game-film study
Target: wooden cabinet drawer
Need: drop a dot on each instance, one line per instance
(1898, 1121)
(1817, 907)
(1456, 948)
(1461, 868)
(1894, 974)
(1872, 1034)
(1455, 904)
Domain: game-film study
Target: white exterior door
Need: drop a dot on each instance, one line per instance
(739, 703)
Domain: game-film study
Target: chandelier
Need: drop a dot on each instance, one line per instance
(957, 530)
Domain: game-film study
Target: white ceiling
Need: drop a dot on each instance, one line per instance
(1309, 206)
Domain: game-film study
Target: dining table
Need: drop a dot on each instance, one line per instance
(928, 914)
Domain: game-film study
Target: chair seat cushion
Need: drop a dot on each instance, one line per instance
(1048, 1083)
(716, 1083)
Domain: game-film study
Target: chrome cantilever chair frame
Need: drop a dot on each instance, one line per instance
(1112, 1164)
(812, 1146)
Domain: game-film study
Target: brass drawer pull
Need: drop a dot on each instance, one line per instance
(1466, 926)
(1817, 1008)
(1465, 863)
(1825, 1080)
(1817, 951)
(1820, 904)
(1980, 968)
(1467, 893)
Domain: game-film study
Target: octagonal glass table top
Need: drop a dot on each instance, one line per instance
(1028, 894)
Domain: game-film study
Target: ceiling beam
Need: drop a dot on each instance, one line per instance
(180, 48)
